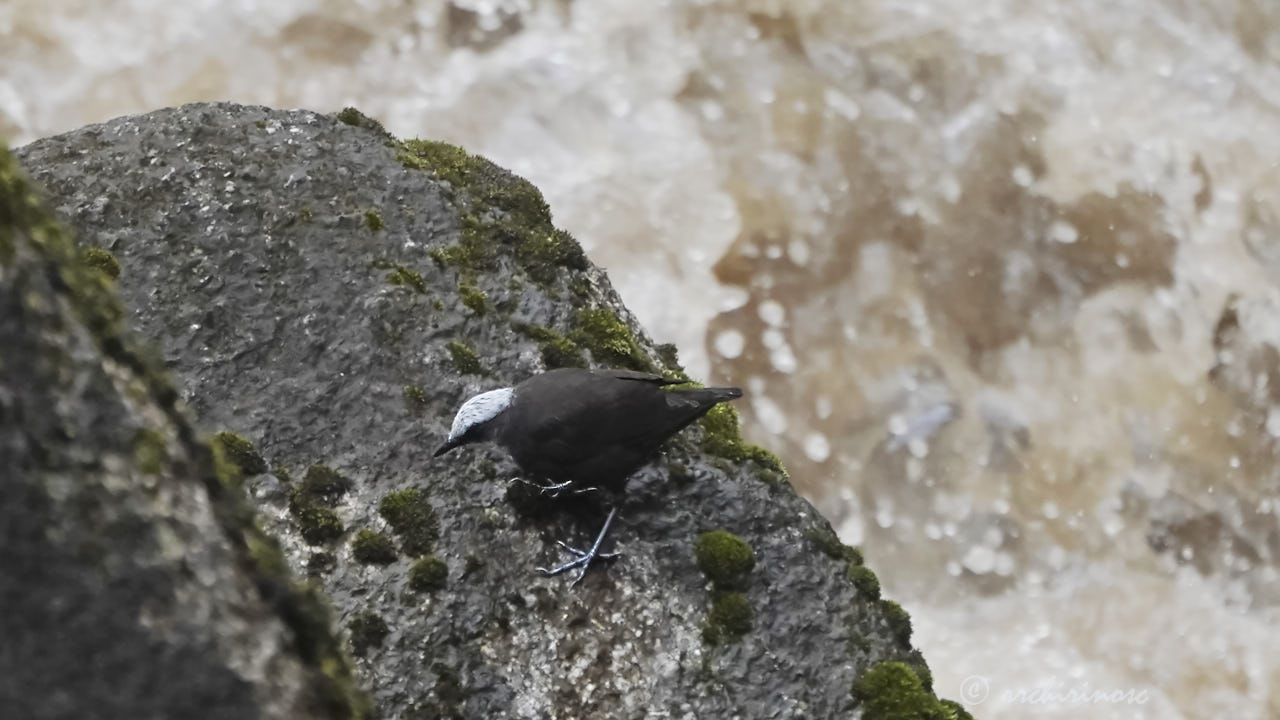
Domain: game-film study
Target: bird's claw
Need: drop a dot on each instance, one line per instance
(583, 558)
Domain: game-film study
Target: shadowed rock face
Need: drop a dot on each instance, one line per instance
(333, 294)
(133, 585)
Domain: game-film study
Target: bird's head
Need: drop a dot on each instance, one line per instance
(475, 419)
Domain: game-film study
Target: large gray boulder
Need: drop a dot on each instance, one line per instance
(134, 582)
(331, 294)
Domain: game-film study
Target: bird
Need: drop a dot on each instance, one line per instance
(582, 429)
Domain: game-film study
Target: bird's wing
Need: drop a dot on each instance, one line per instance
(637, 376)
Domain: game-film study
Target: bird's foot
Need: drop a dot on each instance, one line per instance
(584, 558)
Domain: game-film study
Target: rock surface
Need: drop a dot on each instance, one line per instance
(332, 294)
(134, 583)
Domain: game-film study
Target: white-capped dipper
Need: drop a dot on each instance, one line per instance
(582, 429)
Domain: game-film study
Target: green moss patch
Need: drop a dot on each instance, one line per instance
(557, 350)
(373, 548)
(473, 298)
(499, 210)
(464, 358)
(404, 277)
(428, 574)
(241, 452)
(368, 630)
(824, 538)
(321, 563)
(865, 581)
(891, 690)
(724, 558)
(610, 341)
(318, 525)
(373, 220)
(311, 502)
(150, 451)
(415, 398)
(723, 437)
(413, 520)
(730, 618)
(899, 621)
(102, 261)
(351, 116)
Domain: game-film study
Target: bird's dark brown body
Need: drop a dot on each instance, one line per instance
(596, 427)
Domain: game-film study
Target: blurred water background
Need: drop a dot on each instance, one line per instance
(1002, 278)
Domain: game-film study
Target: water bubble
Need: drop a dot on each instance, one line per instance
(1050, 510)
(822, 406)
(798, 251)
(769, 414)
(1063, 232)
(1273, 422)
(773, 339)
(783, 360)
(772, 312)
(1022, 176)
(980, 560)
(730, 343)
(816, 447)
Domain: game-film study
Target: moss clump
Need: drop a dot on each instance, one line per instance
(723, 437)
(321, 563)
(557, 350)
(464, 358)
(898, 619)
(351, 116)
(825, 539)
(541, 254)
(724, 558)
(373, 220)
(318, 525)
(323, 484)
(730, 618)
(102, 261)
(865, 581)
(241, 452)
(402, 276)
(609, 340)
(415, 398)
(892, 691)
(474, 298)
(428, 574)
(305, 214)
(311, 502)
(413, 520)
(484, 183)
(149, 451)
(952, 710)
(367, 631)
(373, 548)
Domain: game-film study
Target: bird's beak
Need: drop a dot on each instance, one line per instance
(447, 447)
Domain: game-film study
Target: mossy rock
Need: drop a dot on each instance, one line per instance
(892, 691)
(865, 581)
(724, 558)
(373, 548)
(557, 350)
(413, 520)
(373, 220)
(730, 617)
(464, 358)
(402, 276)
(241, 452)
(722, 436)
(428, 574)
(610, 341)
(368, 630)
(898, 619)
(102, 261)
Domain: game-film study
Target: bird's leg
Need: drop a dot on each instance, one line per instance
(583, 559)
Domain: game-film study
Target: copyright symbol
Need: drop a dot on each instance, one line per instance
(974, 690)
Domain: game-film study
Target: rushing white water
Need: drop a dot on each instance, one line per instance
(1001, 277)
